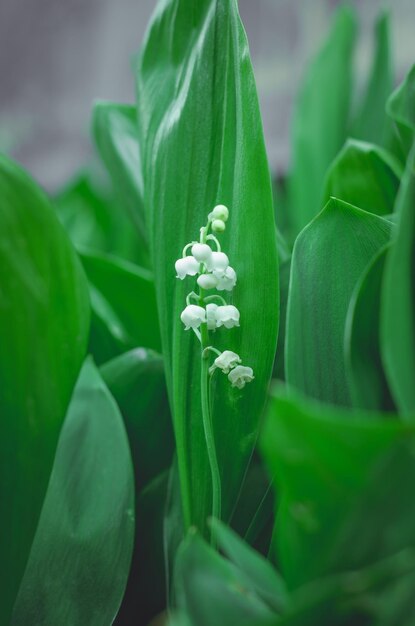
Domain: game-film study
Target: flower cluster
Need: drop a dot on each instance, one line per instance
(213, 272)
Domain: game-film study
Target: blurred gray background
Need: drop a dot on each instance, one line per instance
(58, 56)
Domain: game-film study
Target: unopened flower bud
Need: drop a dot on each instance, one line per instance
(207, 281)
(218, 262)
(218, 226)
(227, 316)
(241, 375)
(188, 266)
(211, 315)
(202, 252)
(220, 212)
(193, 316)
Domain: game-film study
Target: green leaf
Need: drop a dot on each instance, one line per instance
(211, 591)
(202, 143)
(89, 212)
(79, 562)
(364, 175)
(320, 119)
(371, 123)
(114, 129)
(401, 108)
(123, 299)
(329, 257)
(398, 299)
(368, 386)
(255, 570)
(136, 380)
(44, 319)
(338, 474)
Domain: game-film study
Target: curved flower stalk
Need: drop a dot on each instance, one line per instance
(207, 311)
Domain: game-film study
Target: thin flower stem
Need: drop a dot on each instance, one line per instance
(215, 297)
(206, 350)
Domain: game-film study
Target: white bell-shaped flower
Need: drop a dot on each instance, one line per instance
(211, 315)
(226, 279)
(218, 262)
(220, 212)
(202, 252)
(241, 375)
(227, 316)
(226, 361)
(207, 281)
(188, 266)
(193, 316)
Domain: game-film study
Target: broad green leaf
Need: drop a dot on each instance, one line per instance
(136, 380)
(79, 562)
(88, 210)
(123, 299)
(319, 126)
(202, 143)
(211, 591)
(329, 257)
(338, 474)
(372, 123)
(254, 569)
(44, 319)
(398, 299)
(114, 129)
(366, 176)
(401, 108)
(368, 386)
(284, 276)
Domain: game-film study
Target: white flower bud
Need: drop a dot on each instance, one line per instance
(220, 212)
(218, 262)
(207, 281)
(188, 266)
(218, 226)
(227, 316)
(226, 279)
(241, 375)
(202, 252)
(211, 316)
(226, 361)
(193, 316)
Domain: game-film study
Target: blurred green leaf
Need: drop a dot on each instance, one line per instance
(368, 386)
(329, 257)
(124, 303)
(255, 571)
(211, 591)
(338, 474)
(92, 218)
(136, 380)
(401, 108)
(319, 126)
(197, 99)
(79, 562)
(372, 123)
(115, 132)
(398, 299)
(366, 176)
(44, 319)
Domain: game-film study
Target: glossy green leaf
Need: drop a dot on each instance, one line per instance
(329, 257)
(401, 108)
(320, 119)
(124, 303)
(368, 386)
(44, 318)
(79, 562)
(398, 299)
(366, 176)
(136, 380)
(114, 129)
(372, 123)
(202, 144)
(211, 591)
(89, 211)
(254, 569)
(338, 474)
